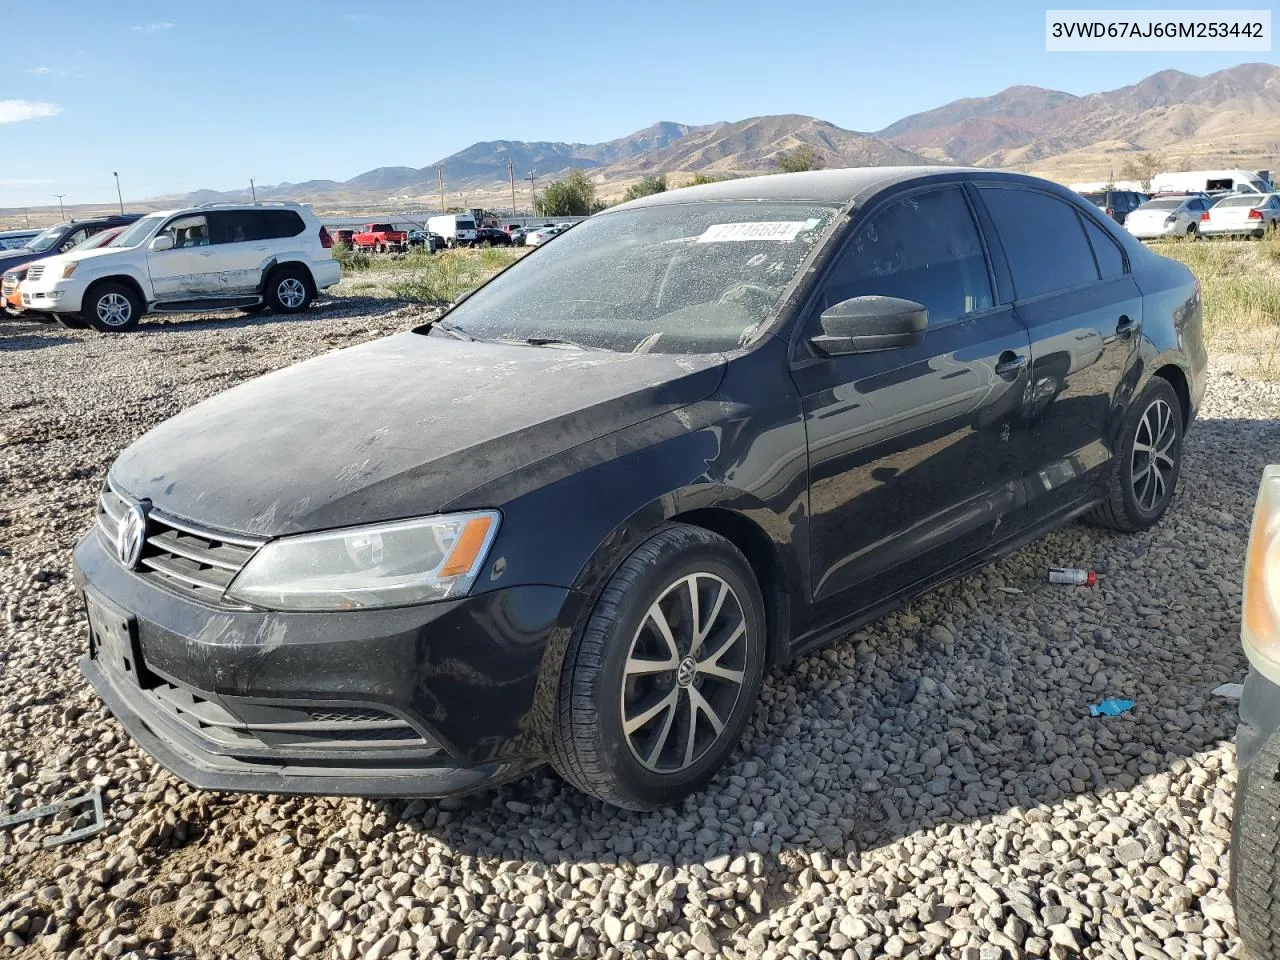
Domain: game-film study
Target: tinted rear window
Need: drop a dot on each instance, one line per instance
(1170, 203)
(1043, 240)
(1237, 202)
(1106, 251)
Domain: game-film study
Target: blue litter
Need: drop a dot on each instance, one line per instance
(1111, 708)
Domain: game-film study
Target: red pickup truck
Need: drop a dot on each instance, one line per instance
(380, 238)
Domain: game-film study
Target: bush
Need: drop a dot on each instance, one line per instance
(646, 186)
(445, 277)
(803, 157)
(573, 197)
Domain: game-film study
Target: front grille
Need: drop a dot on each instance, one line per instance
(7, 286)
(181, 556)
(35, 271)
(254, 724)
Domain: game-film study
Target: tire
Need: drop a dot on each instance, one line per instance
(1135, 499)
(656, 763)
(112, 308)
(288, 289)
(1255, 853)
(1193, 231)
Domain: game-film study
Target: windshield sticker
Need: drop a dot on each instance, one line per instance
(759, 230)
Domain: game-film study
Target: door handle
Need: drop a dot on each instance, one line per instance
(1125, 328)
(1010, 365)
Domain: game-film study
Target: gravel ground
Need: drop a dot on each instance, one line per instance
(931, 786)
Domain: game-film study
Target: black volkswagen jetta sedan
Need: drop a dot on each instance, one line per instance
(575, 519)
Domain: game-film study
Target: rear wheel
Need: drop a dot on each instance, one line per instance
(1193, 230)
(657, 688)
(112, 308)
(289, 289)
(1145, 469)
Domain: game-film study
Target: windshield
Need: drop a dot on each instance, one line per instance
(1097, 199)
(1171, 203)
(97, 240)
(136, 233)
(670, 278)
(45, 239)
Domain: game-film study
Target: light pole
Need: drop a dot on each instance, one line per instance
(119, 195)
(511, 174)
(252, 190)
(62, 214)
(533, 192)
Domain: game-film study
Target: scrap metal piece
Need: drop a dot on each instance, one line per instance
(58, 806)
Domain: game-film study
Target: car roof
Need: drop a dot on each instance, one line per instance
(840, 186)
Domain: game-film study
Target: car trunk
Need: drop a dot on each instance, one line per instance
(1233, 218)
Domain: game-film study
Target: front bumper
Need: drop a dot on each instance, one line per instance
(1259, 718)
(63, 296)
(251, 700)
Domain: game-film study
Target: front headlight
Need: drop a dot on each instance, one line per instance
(1260, 614)
(69, 268)
(383, 565)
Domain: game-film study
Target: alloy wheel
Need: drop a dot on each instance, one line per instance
(114, 309)
(291, 292)
(1152, 462)
(684, 673)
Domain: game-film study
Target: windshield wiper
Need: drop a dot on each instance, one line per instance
(554, 341)
(453, 331)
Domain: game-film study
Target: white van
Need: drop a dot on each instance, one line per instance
(458, 229)
(1209, 181)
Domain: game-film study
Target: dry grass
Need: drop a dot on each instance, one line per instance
(437, 278)
(1241, 282)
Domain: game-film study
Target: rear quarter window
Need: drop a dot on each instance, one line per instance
(1105, 250)
(1043, 240)
(281, 223)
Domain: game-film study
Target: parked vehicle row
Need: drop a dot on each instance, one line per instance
(1198, 214)
(215, 256)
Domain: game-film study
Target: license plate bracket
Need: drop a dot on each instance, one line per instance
(113, 635)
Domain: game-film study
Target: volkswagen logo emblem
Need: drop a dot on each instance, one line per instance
(131, 536)
(686, 671)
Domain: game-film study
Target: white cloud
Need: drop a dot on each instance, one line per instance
(12, 111)
(24, 181)
(154, 27)
(41, 71)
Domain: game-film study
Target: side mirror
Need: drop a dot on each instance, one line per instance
(162, 242)
(863, 324)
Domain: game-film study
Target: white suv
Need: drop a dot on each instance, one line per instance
(212, 257)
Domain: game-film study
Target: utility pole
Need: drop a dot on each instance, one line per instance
(62, 214)
(27, 216)
(511, 175)
(533, 193)
(252, 190)
(119, 195)
(440, 181)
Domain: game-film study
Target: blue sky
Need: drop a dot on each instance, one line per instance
(177, 96)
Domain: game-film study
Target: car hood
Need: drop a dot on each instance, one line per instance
(16, 258)
(393, 428)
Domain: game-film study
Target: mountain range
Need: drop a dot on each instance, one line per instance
(1229, 118)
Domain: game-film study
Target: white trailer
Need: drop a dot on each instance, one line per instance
(458, 229)
(1210, 181)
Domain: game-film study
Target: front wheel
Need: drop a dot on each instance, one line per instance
(1145, 468)
(289, 290)
(1193, 231)
(112, 308)
(657, 688)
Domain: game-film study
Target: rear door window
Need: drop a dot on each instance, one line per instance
(923, 247)
(1043, 240)
(281, 223)
(1105, 250)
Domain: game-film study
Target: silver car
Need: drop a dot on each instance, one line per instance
(1242, 215)
(1165, 217)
